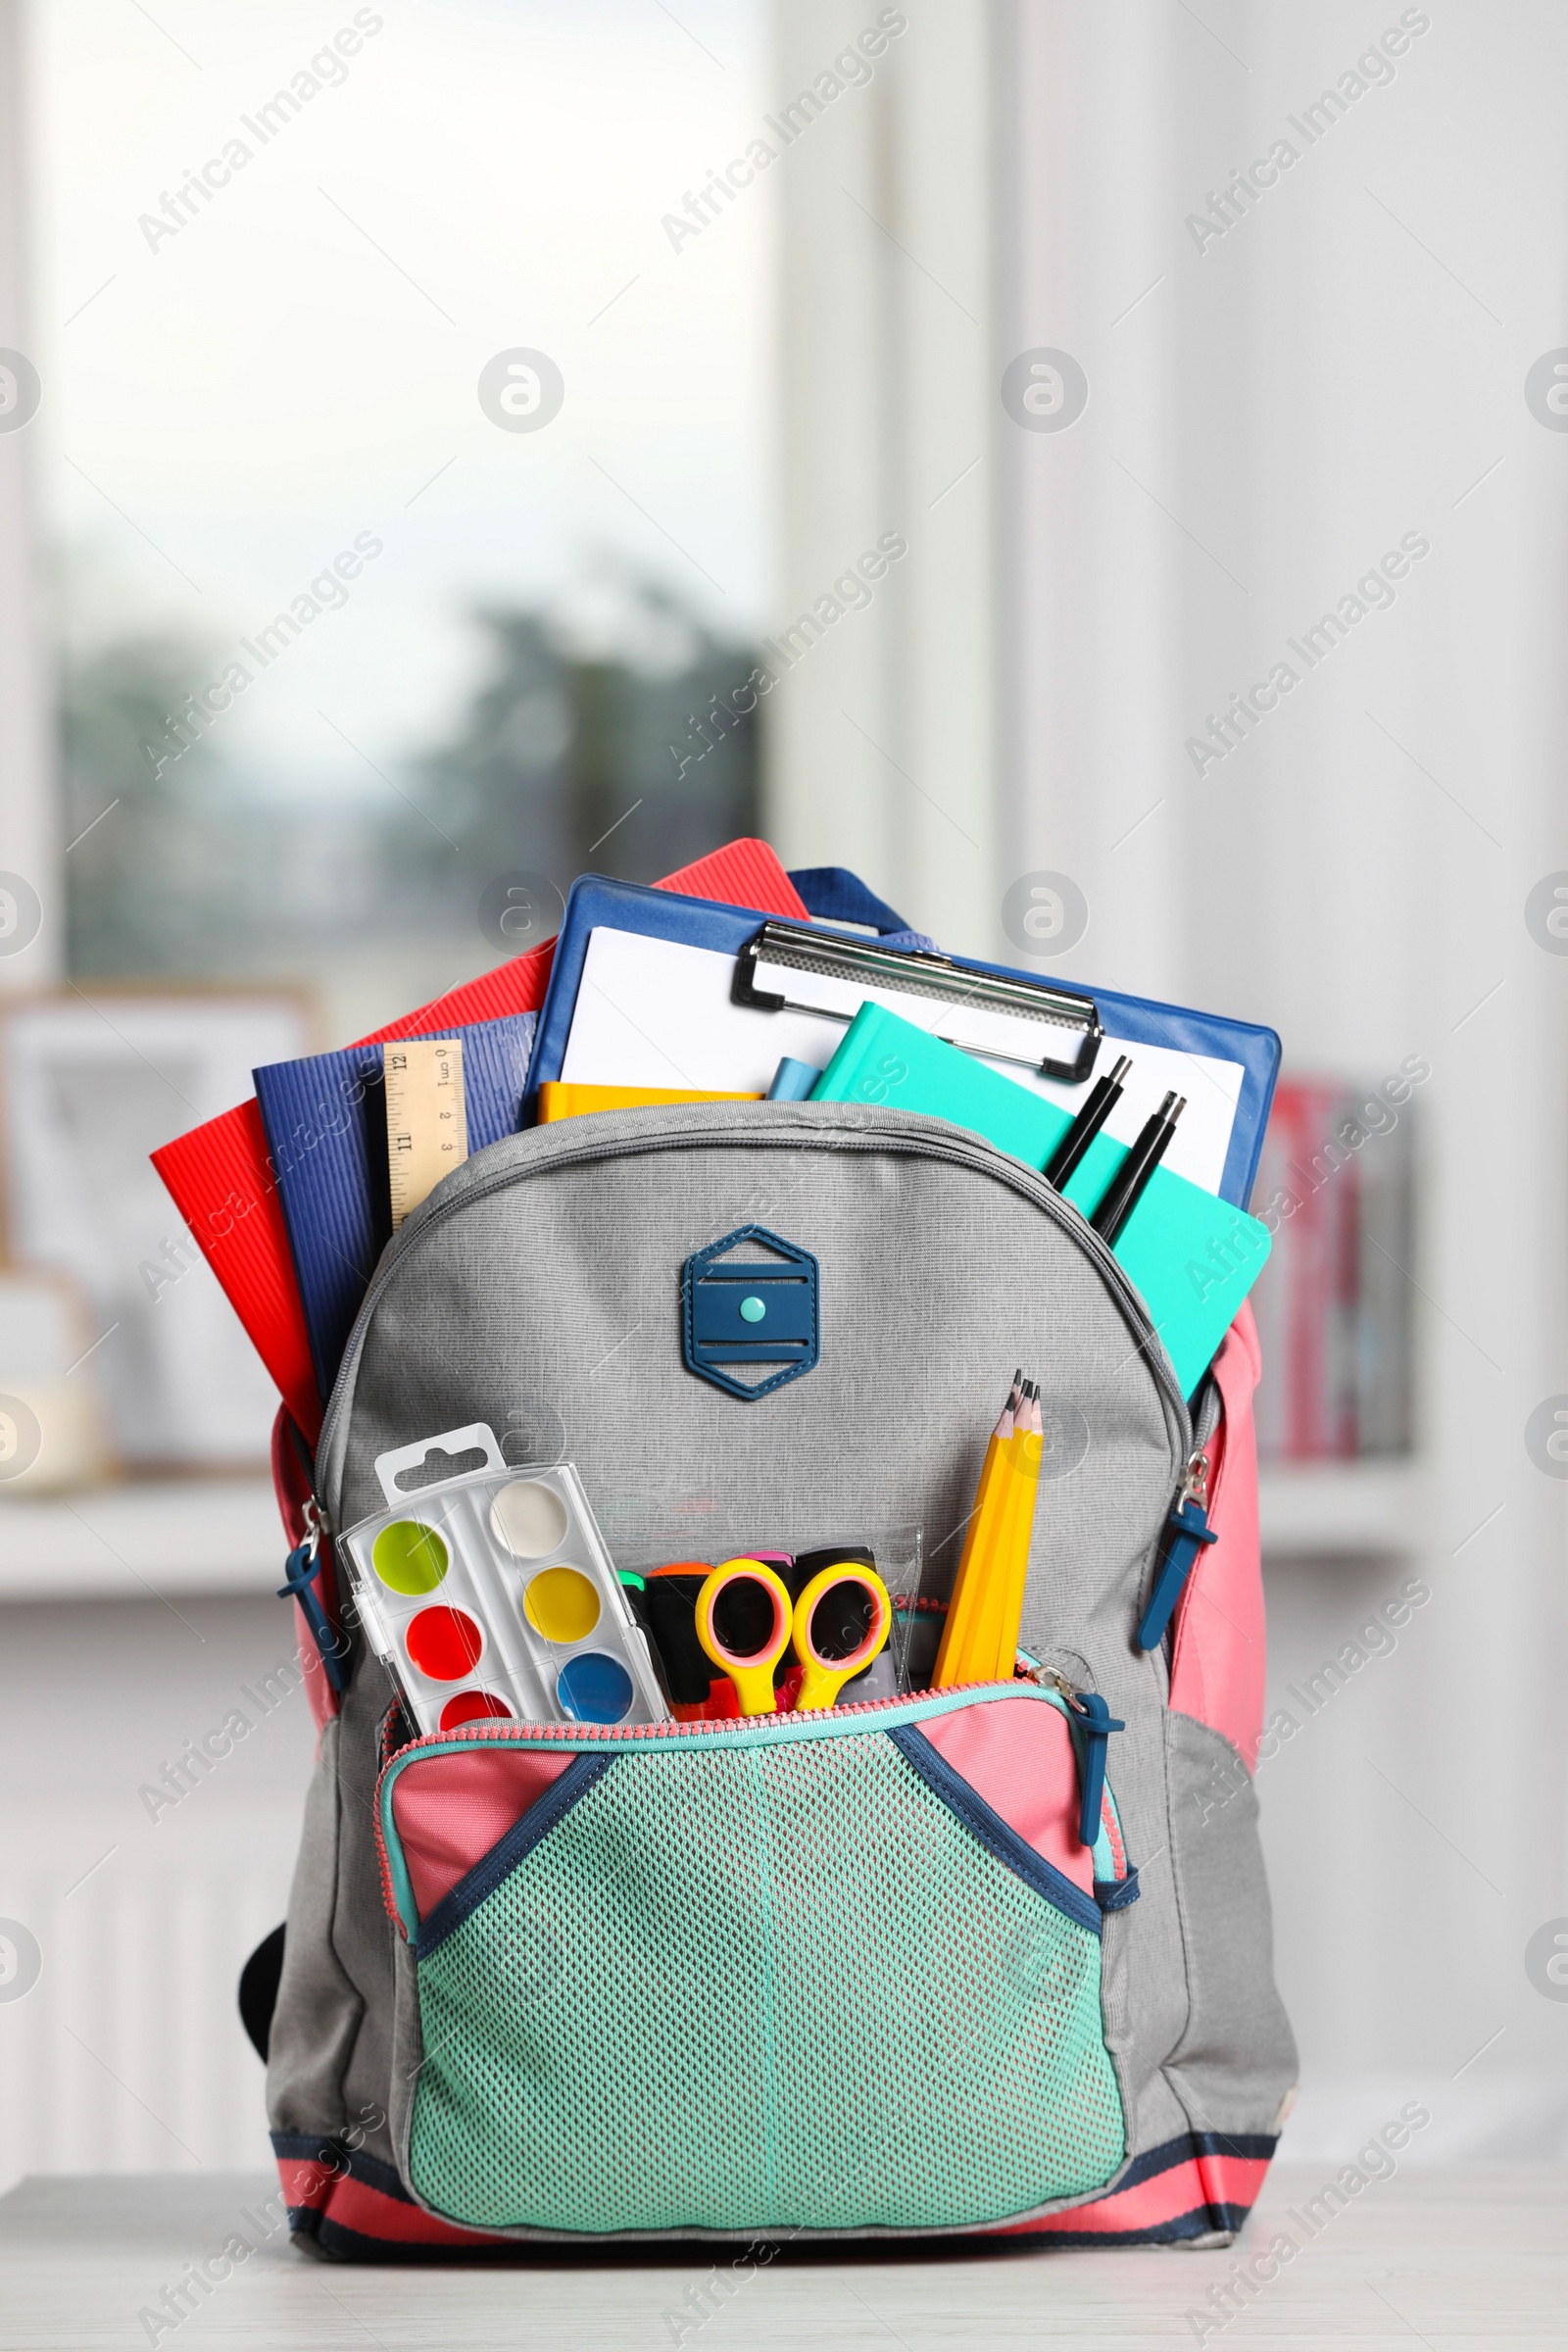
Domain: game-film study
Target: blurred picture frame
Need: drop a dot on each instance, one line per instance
(53, 1426)
(90, 1082)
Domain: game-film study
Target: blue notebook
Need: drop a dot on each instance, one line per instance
(326, 1122)
(655, 1019)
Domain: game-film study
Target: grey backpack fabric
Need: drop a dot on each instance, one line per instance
(538, 1289)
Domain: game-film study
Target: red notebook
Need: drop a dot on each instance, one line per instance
(221, 1183)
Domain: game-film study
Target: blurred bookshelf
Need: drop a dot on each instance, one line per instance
(1338, 1510)
(1339, 1472)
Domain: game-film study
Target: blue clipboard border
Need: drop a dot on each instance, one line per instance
(595, 901)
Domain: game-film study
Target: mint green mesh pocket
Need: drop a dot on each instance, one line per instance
(751, 1987)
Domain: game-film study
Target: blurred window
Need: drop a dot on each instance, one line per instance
(343, 633)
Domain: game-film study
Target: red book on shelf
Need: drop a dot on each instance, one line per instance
(1341, 1194)
(221, 1180)
(1324, 1179)
(1271, 1298)
(1308, 1365)
(1309, 1183)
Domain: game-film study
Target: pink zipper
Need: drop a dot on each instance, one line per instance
(497, 1734)
(668, 1727)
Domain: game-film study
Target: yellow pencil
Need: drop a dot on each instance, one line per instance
(977, 1661)
(1013, 1566)
(965, 1605)
(1009, 1528)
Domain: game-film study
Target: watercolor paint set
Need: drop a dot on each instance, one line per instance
(490, 1593)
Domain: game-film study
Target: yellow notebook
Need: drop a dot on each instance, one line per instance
(560, 1099)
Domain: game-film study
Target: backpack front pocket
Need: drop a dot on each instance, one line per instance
(828, 1973)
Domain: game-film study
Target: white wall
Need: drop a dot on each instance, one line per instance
(30, 838)
(882, 737)
(1340, 367)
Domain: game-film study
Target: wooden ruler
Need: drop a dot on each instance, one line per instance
(426, 1118)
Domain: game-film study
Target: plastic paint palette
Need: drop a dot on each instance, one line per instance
(490, 1593)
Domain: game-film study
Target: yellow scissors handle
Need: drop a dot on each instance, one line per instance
(750, 1668)
(820, 1648)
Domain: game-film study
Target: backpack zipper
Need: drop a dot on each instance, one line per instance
(975, 1154)
(1187, 1531)
(495, 1734)
(1095, 1724)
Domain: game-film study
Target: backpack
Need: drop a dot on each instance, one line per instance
(850, 1973)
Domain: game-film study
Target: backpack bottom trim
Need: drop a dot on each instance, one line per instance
(1200, 2186)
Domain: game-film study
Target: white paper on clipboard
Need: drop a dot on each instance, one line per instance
(657, 1013)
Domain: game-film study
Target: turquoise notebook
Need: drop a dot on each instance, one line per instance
(1192, 1257)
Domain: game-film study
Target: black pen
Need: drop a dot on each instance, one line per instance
(1103, 1100)
(1125, 1189)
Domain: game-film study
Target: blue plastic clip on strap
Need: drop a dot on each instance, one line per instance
(1190, 1528)
(301, 1569)
(1095, 1723)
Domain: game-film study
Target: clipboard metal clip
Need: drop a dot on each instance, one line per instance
(792, 967)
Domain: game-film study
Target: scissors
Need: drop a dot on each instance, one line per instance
(746, 1621)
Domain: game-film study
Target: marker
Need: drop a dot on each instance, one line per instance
(668, 1604)
(793, 1081)
(1126, 1188)
(1106, 1093)
(798, 1572)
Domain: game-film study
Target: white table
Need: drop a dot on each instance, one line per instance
(1462, 2262)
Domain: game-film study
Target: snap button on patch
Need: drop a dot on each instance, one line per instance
(726, 1299)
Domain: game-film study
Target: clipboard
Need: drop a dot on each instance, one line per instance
(796, 968)
(1231, 1066)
